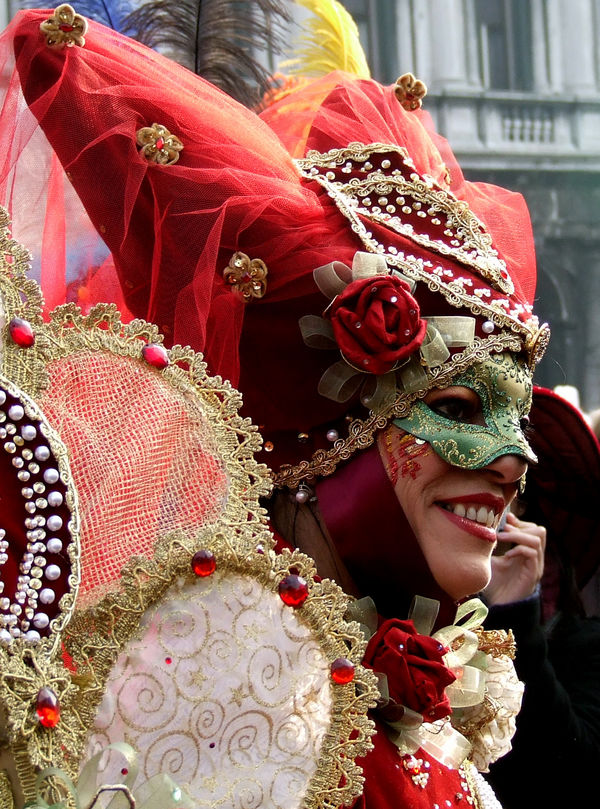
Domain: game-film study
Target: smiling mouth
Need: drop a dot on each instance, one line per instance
(479, 513)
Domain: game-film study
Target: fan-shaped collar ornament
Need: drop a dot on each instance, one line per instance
(189, 635)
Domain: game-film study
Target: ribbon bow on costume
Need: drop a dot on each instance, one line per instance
(458, 660)
(375, 322)
(159, 792)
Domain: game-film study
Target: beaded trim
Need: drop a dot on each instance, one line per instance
(381, 178)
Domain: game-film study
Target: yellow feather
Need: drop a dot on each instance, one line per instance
(330, 42)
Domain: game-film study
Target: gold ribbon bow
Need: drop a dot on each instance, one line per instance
(157, 792)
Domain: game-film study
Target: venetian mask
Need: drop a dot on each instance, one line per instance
(473, 440)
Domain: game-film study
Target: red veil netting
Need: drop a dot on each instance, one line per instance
(104, 224)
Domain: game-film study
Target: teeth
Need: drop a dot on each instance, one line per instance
(480, 514)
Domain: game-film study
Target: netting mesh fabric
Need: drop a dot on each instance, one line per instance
(143, 457)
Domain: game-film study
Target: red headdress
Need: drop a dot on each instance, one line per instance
(211, 230)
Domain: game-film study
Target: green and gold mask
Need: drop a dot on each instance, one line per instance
(503, 385)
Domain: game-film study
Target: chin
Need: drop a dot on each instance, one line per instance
(461, 581)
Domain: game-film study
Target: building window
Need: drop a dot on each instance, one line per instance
(376, 21)
(505, 40)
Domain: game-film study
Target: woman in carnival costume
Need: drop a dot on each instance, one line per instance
(372, 306)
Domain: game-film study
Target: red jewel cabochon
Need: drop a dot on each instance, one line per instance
(34, 525)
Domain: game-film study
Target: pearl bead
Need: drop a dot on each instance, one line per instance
(487, 327)
(28, 432)
(302, 496)
(54, 523)
(332, 435)
(47, 595)
(2, 397)
(16, 412)
(42, 453)
(51, 475)
(54, 545)
(41, 620)
(55, 499)
(32, 636)
(52, 572)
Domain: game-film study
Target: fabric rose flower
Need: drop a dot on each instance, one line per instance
(414, 667)
(376, 323)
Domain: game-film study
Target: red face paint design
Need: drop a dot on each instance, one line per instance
(402, 450)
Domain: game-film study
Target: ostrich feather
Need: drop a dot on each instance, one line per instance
(330, 42)
(217, 39)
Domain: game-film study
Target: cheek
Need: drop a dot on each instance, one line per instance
(403, 453)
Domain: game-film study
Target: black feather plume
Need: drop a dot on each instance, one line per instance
(221, 40)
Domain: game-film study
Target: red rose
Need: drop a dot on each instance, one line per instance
(414, 667)
(376, 323)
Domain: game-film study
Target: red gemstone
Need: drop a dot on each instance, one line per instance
(160, 143)
(66, 28)
(293, 590)
(21, 332)
(155, 355)
(342, 671)
(47, 707)
(204, 563)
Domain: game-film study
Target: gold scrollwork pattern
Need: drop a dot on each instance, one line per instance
(217, 682)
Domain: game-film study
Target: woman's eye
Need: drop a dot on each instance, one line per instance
(458, 404)
(454, 409)
(457, 409)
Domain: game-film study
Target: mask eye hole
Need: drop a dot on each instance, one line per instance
(458, 404)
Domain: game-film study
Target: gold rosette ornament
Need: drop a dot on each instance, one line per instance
(410, 92)
(158, 145)
(246, 276)
(64, 28)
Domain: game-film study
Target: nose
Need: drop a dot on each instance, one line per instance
(507, 468)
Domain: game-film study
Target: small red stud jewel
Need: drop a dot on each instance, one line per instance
(204, 563)
(293, 590)
(21, 332)
(47, 707)
(160, 143)
(342, 671)
(155, 355)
